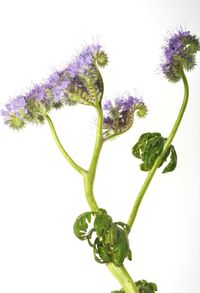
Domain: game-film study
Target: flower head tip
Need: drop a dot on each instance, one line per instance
(178, 54)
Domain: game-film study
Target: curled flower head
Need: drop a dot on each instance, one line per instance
(179, 53)
(119, 115)
(79, 82)
(15, 112)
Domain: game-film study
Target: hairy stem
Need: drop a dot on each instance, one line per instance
(61, 148)
(159, 159)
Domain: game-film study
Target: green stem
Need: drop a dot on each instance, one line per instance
(119, 272)
(159, 159)
(61, 148)
(125, 280)
(90, 175)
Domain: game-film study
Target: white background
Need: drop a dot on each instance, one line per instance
(41, 195)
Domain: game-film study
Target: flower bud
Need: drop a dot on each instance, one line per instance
(101, 59)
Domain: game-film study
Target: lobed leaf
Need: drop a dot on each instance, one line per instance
(81, 225)
(149, 147)
(110, 244)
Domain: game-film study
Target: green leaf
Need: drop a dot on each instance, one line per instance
(109, 240)
(152, 150)
(81, 225)
(102, 223)
(121, 248)
(124, 226)
(102, 251)
(173, 161)
(140, 146)
(145, 287)
(149, 147)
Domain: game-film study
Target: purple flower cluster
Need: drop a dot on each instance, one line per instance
(84, 61)
(179, 53)
(69, 86)
(119, 114)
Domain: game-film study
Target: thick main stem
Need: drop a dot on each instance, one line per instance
(125, 280)
(119, 272)
(160, 157)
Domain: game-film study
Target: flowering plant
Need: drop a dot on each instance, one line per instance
(81, 82)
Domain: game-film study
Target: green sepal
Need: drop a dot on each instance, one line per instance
(145, 287)
(149, 147)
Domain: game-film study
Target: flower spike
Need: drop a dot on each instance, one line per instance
(79, 82)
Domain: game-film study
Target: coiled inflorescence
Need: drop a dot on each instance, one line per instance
(79, 82)
(119, 115)
(179, 53)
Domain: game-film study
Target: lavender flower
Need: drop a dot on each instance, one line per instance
(119, 115)
(84, 61)
(79, 82)
(179, 54)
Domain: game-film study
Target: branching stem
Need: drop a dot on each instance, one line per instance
(119, 272)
